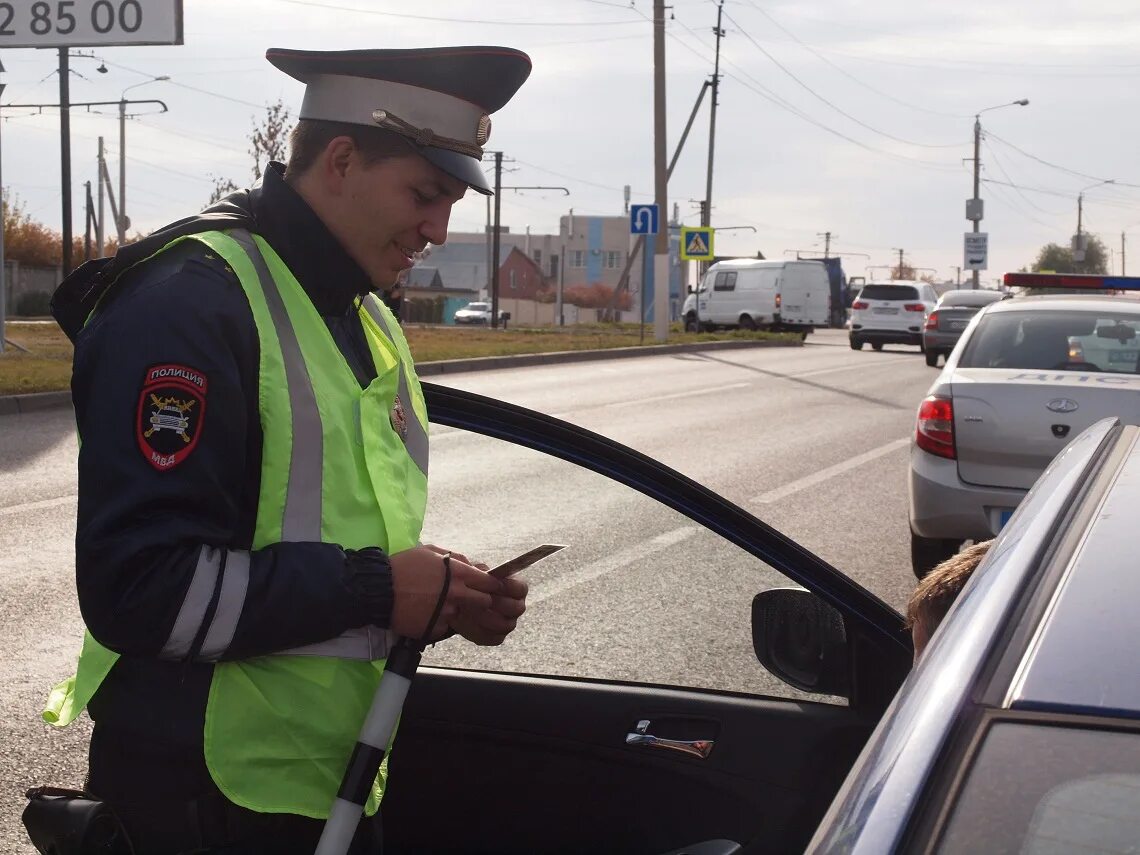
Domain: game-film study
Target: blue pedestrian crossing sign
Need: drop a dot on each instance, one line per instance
(643, 220)
(697, 244)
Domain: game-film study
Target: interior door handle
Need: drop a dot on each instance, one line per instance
(696, 747)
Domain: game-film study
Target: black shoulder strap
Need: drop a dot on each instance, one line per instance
(78, 294)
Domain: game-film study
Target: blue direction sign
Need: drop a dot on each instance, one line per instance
(697, 244)
(643, 220)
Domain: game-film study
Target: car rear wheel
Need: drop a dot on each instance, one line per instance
(747, 323)
(928, 552)
(932, 358)
(876, 345)
(856, 344)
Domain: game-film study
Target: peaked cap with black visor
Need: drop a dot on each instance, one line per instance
(440, 99)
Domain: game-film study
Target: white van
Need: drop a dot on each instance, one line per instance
(754, 294)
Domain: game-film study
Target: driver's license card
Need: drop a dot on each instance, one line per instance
(521, 562)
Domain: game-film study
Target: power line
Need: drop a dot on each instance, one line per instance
(1112, 203)
(833, 105)
(847, 74)
(1009, 178)
(1058, 167)
(758, 88)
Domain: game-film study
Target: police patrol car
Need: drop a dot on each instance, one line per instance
(1027, 376)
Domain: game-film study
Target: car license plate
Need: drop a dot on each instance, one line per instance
(882, 311)
(1003, 518)
(959, 325)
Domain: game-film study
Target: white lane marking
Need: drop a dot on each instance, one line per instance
(826, 371)
(595, 570)
(38, 506)
(830, 472)
(638, 401)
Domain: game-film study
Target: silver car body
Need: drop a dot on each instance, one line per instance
(1010, 420)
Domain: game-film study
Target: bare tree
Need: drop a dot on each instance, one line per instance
(270, 140)
(267, 141)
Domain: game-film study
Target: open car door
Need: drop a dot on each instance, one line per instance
(629, 711)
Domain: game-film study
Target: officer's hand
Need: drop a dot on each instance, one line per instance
(491, 626)
(417, 579)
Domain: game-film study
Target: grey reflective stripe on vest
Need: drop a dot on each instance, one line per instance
(233, 569)
(416, 442)
(365, 643)
(302, 518)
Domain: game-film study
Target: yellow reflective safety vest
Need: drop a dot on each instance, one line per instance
(339, 465)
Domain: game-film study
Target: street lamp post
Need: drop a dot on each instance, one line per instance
(124, 222)
(974, 206)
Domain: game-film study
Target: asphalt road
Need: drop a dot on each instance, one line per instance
(812, 440)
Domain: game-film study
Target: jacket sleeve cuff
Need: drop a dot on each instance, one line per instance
(370, 580)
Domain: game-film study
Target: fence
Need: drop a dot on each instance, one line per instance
(29, 289)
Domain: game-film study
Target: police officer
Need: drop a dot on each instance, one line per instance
(253, 464)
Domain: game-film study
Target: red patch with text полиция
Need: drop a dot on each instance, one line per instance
(172, 406)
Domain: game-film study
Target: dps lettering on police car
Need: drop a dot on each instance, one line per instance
(172, 405)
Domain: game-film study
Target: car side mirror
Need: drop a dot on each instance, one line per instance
(802, 640)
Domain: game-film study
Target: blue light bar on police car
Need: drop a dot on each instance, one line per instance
(1072, 280)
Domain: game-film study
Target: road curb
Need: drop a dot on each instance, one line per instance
(18, 404)
(15, 404)
(485, 363)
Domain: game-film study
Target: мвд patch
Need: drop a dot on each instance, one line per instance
(172, 405)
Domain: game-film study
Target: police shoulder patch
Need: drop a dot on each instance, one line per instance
(172, 405)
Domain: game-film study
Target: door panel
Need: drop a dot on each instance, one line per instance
(645, 616)
(515, 764)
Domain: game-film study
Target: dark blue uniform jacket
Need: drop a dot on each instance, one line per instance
(143, 519)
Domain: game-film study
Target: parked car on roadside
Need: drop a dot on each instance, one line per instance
(951, 315)
(1028, 375)
(890, 313)
(478, 313)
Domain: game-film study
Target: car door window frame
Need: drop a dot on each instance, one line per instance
(881, 647)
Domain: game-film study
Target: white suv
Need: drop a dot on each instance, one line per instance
(891, 313)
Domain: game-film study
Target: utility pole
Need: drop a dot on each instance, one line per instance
(977, 184)
(661, 261)
(89, 211)
(1123, 270)
(495, 242)
(99, 222)
(65, 153)
(706, 214)
(959, 270)
(826, 243)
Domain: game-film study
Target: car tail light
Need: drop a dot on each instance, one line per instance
(934, 431)
(932, 321)
(779, 300)
(915, 307)
(860, 304)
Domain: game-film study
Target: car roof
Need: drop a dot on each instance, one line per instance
(1067, 303)
(954, 677)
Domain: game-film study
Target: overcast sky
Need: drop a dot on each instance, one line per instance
(842, 116)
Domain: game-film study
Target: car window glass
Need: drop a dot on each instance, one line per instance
(1083, 341)
(725, 282)
(888, 292)
(641, 593)
(1042, 790)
